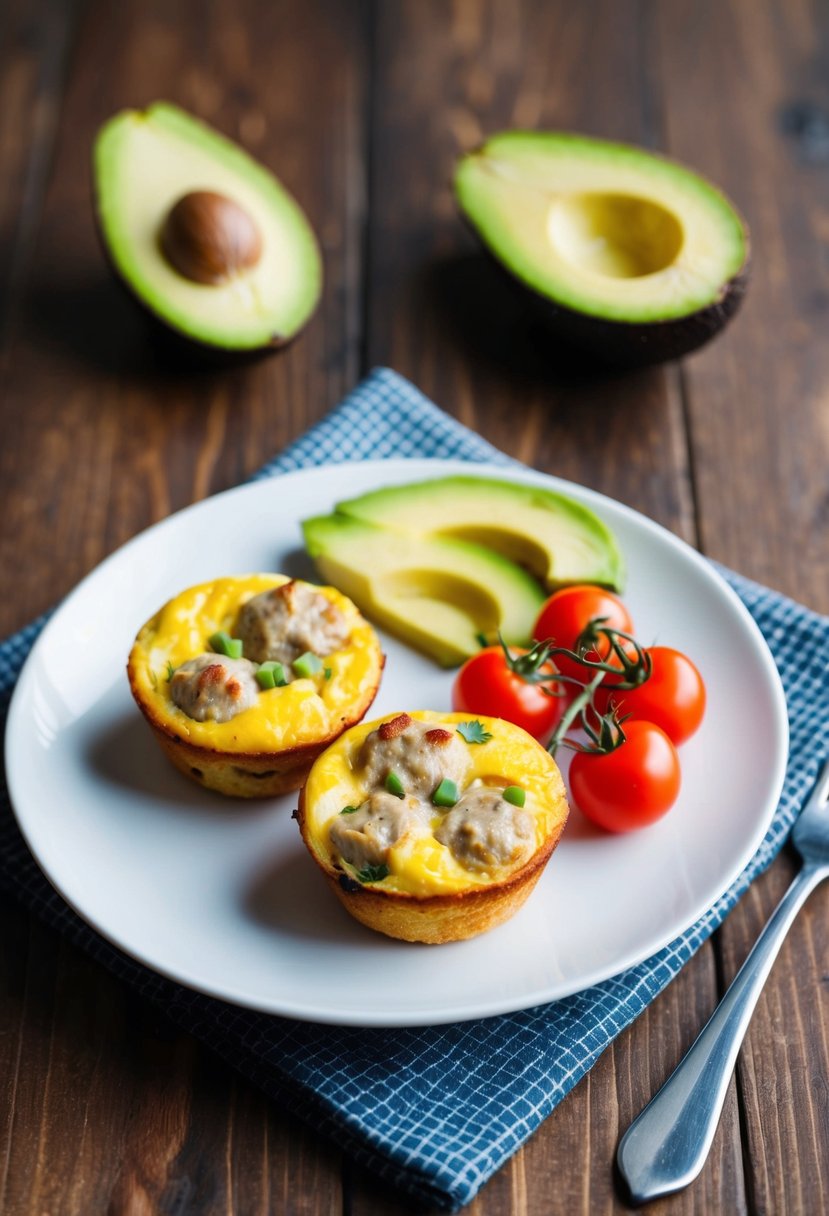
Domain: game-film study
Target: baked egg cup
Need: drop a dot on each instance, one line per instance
(426, 893)
(267, 749)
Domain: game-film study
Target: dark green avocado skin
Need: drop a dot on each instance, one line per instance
(620, 344)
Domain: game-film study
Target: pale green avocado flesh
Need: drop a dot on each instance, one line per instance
(556, 538)
(602, 229)
(438, 595)
(144, 162)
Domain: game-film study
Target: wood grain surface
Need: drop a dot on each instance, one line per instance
(362, 108)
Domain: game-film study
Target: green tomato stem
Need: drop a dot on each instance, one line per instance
(573, 711)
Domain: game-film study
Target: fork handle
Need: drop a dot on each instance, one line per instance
(665, 1147)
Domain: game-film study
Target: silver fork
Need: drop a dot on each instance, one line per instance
(665, 1147)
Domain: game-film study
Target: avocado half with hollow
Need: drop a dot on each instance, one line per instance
(201, 233)
(635, 257)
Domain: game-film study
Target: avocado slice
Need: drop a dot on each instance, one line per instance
(201, 233)
(436, 594)
(635, 257)
(553, 536)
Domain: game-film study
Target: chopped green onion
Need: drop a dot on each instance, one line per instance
(349, 810)
(224, 644)
(171, 671)
(373, 873)
(395, 786)
(271, 675)
(308, 664)
(446, 794)
(328, 673)
(474, 732)
(515, 795)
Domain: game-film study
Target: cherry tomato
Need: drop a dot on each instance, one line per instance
(567, 614)
(673, 696)
(630, 787)
(485, 685)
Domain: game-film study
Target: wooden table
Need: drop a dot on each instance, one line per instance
(362, 108)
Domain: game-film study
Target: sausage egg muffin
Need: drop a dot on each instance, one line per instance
(430, 827)
(245, 680)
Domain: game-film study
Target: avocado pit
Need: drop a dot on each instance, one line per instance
(208, 238)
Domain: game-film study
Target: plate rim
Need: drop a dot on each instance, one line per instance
(420, 467)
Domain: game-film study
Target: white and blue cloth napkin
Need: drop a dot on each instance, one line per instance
(437, 1110)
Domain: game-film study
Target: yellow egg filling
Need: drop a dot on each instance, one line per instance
(422, 865)
(305, 710)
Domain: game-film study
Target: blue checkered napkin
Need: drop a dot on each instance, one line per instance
(436, 1111)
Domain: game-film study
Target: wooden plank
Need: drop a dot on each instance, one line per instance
(759, 416)
(110, 427)
(438, 312)
(109, 1108)
(129, 425)
(34, 42)
(757, 401)
(57, 1096)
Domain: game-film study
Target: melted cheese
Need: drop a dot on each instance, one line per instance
(305, 711)
(423, 866)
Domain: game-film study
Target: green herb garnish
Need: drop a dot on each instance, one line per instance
(308, 664)
(373, 873)
(224, 644)
(446, 794)
(328, 673)
(395, 786)
(474, 732)
(271, 675)
(171, 671)
(349, 810)
(515, 795)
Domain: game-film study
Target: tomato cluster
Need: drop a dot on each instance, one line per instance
(628, 775)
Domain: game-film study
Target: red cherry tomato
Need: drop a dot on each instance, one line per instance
(673, 696)
(567, 614)
(630, 787)
(486, 685)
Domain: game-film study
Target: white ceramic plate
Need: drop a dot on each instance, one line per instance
(221, 895)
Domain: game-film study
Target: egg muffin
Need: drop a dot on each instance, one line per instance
(433, 827)
(245, 680)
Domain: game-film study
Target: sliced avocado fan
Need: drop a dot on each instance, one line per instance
(437, 594)
(201, 233)
(608, 233)
(554, 537)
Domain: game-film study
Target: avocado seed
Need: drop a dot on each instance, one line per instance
(208, 238)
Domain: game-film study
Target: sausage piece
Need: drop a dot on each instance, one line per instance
(364, 837)
(211, 688)
(281, 624)
(419, 753)
(483, 831)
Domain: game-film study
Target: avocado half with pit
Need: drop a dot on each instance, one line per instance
(633, 256)
(201, 233)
